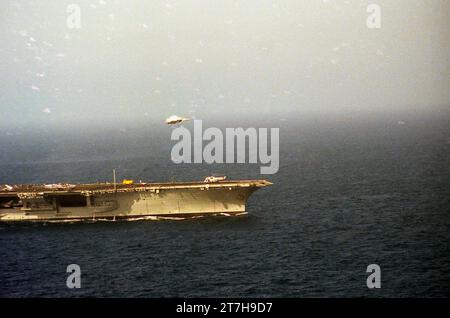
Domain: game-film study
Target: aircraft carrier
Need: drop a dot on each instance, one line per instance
(111, 201)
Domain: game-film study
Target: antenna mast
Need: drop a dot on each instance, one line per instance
(114, 178)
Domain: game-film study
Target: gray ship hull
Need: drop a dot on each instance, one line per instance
(114, 202)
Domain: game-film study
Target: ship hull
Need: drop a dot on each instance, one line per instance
(133, 202)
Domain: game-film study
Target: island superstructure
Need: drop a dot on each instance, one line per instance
(111, 201)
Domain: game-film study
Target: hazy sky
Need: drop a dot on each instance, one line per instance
(138, 60)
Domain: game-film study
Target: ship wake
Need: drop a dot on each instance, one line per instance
(143, 218)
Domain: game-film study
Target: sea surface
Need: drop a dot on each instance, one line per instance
(348, 194)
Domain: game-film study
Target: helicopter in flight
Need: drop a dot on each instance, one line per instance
(174, 119)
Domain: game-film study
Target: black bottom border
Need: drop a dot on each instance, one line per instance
(227, 306)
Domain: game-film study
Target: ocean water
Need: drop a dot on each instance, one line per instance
(348, 194)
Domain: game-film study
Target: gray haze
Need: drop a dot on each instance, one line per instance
(138, 61)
